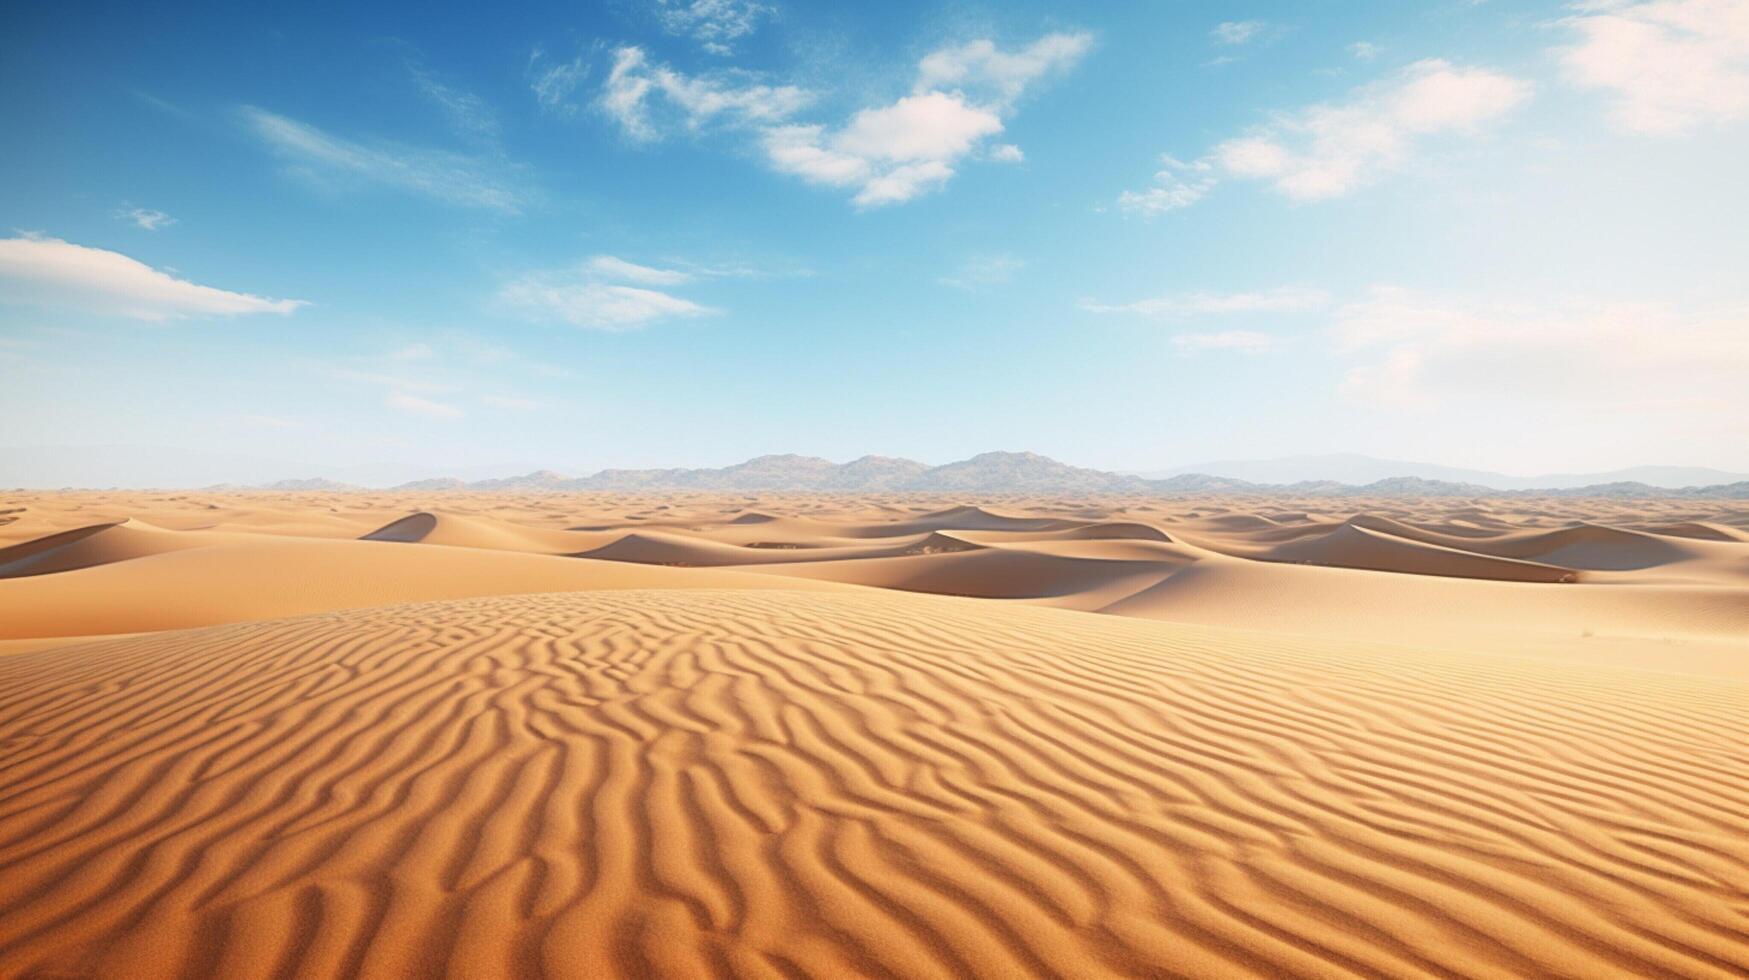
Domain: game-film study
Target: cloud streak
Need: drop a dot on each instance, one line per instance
(1329, 150)
(1183, 306)
(1237, 341)
(595, 295)
(329, 160)
(146, 218)
(1417, 351)
(54, 273)
(400, 401)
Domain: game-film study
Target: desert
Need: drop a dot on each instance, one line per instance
(824, 490)
(506, 734)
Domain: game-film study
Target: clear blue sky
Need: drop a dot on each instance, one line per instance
(1130, 235)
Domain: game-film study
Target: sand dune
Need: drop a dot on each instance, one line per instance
(772, 784)
(273, 577)
(596, 735)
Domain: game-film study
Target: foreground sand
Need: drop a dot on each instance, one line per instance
(772, 783)
(671, 760)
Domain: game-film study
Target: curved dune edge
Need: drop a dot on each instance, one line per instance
(781, 783)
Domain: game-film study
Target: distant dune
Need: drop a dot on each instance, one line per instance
(522, 733)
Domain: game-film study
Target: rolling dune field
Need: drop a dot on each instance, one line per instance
(496, 735)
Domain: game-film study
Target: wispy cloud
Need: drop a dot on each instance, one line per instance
(649, 100)
(1330, 149)
(1237, 341)
(1420, 351)
(1363, 51)
(614, 267)
(266, 422)
(396, 382)
(1177, 184)
(984, 270)
(413, 352)
(1237, 31)
(414, 405)
(1180, 306)
(468, 114)
(54, 273)
(893, 153)
(509, 403)
(147, 218)
(984, 73)
(594, 295)
(316, 155)
(715, 24)
(555, 83)
(1670, 65)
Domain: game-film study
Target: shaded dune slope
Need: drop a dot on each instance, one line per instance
(783, 784)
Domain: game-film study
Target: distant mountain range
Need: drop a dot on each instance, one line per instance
(1352, 468)
(1008, 472)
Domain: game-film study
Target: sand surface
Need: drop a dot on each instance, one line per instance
(589, 735)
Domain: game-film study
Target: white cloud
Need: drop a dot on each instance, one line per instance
(1238, 341)
(614, 267)
(509, 403)
(414, 405)
(982, 72)
(1237, 31)
(932, 126)
(896, 152)
(892, 153)
(714, 24)
(647, 99)
(1671, 65)
(1176, 185)
(588, 297)
(326, 159)
(146, 218)
(1363, 50)
(1583, 360)
(413, 352)
(1327, 150)
(1182, 306)
(51, 272)
(554, 83)
(1007, 153)
(984, 270)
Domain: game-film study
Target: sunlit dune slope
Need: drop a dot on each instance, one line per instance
(226, 581)
(781, 783)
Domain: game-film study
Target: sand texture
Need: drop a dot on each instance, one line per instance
(480, 735)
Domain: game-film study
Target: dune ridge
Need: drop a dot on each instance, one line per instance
(743, 783)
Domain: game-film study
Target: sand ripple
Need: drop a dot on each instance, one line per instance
(772, 784)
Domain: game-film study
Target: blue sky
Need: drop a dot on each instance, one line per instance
(1503, 234)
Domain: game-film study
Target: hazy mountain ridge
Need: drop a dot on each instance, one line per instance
(1354, 469)
(987, 473)
(1014, 472)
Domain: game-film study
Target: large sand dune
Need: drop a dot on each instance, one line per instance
(495, 735)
